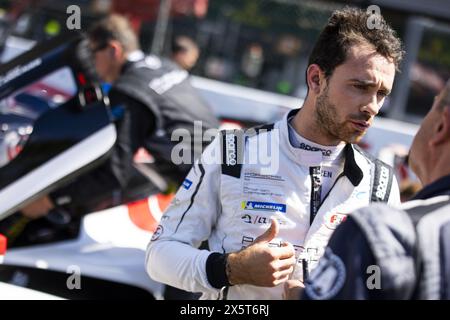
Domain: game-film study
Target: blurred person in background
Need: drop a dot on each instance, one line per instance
(252, 64)
(407, 249)
(256, 219)
(185, 52)
(151, 97)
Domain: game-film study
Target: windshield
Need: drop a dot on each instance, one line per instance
(19, 110)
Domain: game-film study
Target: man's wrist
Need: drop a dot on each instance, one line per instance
(229, 269)
(216, 270)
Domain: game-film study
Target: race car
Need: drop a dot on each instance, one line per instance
(55, 124)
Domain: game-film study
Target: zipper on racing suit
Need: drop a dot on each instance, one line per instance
(316, 203)
(316, 191)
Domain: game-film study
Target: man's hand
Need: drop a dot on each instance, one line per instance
(293, 289)
(38, 208)
(261, 265)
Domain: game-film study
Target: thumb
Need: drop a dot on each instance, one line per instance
(270, 233)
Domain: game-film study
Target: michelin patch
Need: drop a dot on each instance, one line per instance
(264, 206)
(327, 279)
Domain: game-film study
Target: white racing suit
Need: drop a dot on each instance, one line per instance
(231, 204)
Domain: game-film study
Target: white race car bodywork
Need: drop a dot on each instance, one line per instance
(12, 292)
(109, 247)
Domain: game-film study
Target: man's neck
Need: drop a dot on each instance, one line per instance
(438, 168)
(118, 69)
(305, 124)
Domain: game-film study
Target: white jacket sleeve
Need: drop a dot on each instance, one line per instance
(172, 255)
(394, 196)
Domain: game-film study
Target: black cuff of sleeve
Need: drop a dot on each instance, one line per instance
(216, 270)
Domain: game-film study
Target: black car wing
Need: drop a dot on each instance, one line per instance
(53, 89)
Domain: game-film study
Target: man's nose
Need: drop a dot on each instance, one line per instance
(371, 107)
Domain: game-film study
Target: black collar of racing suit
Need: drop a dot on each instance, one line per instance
(437, 188)
(351, 169)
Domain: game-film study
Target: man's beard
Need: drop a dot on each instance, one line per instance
(328, 122)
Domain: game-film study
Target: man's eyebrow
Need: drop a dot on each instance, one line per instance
(364, 82)
(370, 83)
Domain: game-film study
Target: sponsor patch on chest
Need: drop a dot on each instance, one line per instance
(187, 184)
(263, 185)
(335, 219)
(263, 206)
(258, 219)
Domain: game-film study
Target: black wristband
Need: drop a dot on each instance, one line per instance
(216, 270)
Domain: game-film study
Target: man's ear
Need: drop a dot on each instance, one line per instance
(442, 128)
(116, 49)
(314, 76)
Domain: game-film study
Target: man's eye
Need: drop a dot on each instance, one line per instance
(382, 94)
(360, 87)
